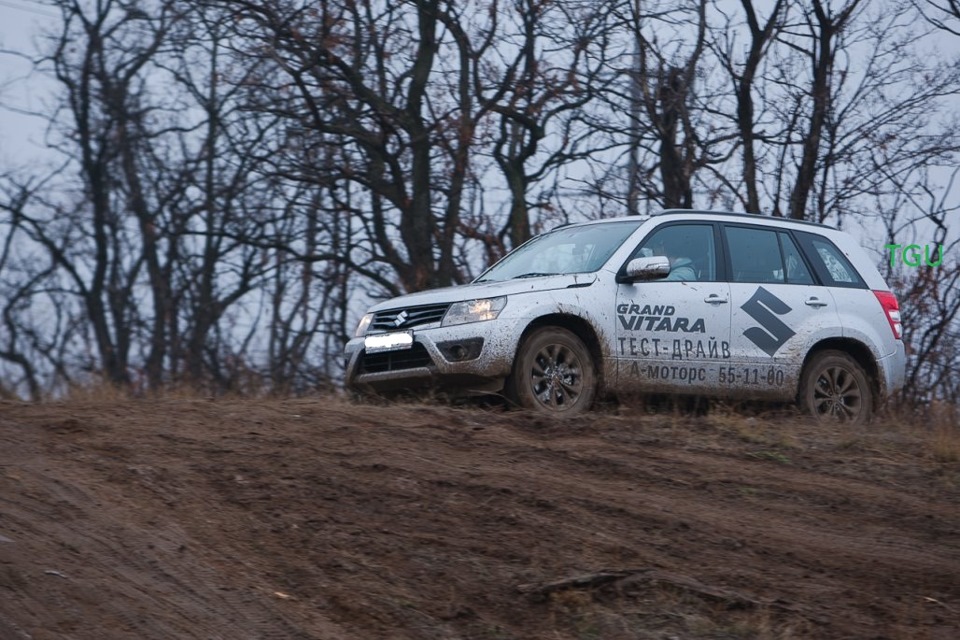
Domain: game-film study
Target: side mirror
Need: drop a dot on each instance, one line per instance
(649, 268)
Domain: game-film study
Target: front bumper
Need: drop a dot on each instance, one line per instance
(474, 357)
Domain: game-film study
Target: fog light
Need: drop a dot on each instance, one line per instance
(461, 350)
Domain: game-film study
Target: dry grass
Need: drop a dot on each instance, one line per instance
(772, 432)
(934, 435)
(943, 434)
(945, 443)
(659, 612)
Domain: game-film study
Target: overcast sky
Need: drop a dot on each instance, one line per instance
(20, 21)
(21, 136)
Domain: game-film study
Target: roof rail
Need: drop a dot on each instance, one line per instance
(752, 216)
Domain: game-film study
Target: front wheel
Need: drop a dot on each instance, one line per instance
(553, 372)
(835, 388)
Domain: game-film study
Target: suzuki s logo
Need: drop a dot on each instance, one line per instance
(762, 307)
(400, 319)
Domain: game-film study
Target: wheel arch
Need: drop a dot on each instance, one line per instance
(856, 350)
(580, 328)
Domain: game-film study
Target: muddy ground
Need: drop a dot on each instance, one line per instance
(316, 518)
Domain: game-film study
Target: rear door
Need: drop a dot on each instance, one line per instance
(779, 310)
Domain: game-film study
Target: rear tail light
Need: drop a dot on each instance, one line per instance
(892, 310)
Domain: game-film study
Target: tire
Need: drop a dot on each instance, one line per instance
(835, 389)
(553, 372)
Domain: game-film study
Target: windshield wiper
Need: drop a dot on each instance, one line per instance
(531, 274)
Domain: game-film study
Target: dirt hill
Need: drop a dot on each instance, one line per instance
(316, 518)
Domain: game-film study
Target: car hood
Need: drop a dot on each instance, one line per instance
(487, 290)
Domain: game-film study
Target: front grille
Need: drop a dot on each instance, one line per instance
(405, 318)
(416, 356)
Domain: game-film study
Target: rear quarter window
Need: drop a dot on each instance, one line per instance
(832, 267)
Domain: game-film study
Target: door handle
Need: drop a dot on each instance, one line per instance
(713, 298)
(814, 301)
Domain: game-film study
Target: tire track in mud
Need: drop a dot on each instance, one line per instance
(310, 518)
(801, 519)
(139, 577)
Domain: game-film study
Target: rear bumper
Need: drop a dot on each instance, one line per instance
(893, 371)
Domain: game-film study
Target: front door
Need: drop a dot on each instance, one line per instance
(673, 333)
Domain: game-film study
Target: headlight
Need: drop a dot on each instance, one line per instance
(474, 311)
(363, 325)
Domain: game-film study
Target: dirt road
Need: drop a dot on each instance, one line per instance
(315, 518)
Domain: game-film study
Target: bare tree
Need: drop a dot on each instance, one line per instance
(98, 58)
(351, 79)
(822, 27)
(216, 208)
(745, 75)
(17, 286)
(239, 177)
(925, 272)
(942, 14)
(673, 131)
(546, 90)
(146, 240)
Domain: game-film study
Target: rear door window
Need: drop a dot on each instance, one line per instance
(754, 255)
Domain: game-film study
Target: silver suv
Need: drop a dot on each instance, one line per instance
(685, 302)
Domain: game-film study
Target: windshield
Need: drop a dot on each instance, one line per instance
(580, 249)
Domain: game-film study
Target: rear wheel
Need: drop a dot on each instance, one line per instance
(553, 372)
(835, 388)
